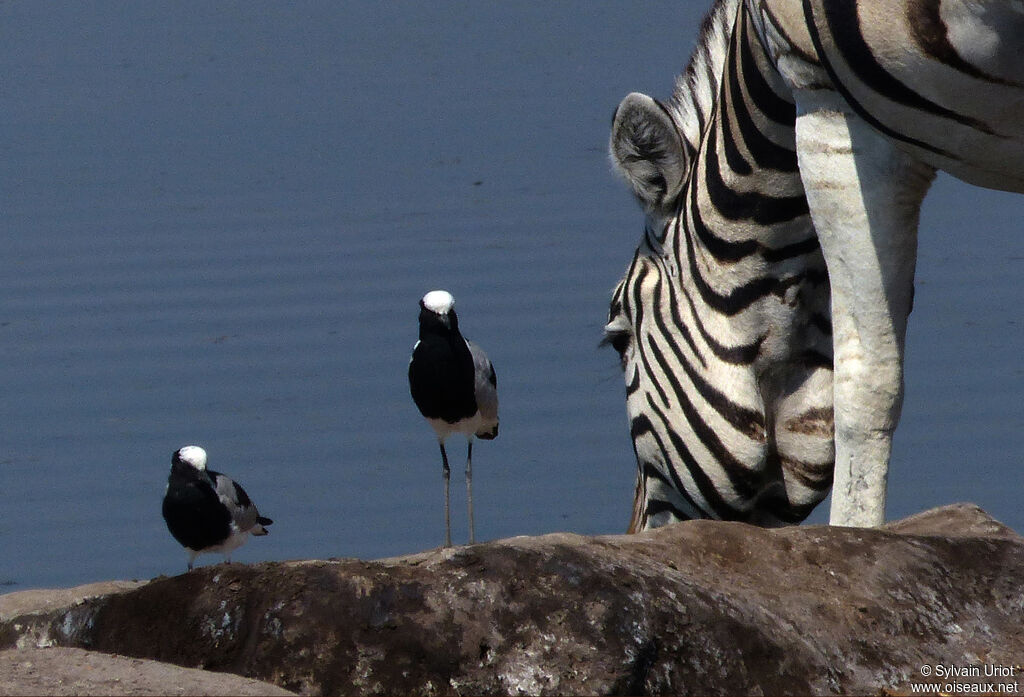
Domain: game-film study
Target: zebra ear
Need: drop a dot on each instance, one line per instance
(647, 150)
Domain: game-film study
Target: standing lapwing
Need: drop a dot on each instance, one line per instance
(454, 386)
(205, 510)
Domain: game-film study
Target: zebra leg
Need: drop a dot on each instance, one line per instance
(864, 196)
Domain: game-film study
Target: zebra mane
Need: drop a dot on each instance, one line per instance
(696, 90)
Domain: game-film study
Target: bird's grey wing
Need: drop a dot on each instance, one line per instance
(486, 386)
(243, 510)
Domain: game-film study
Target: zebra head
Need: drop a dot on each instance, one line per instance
(721, 321)
(802, 131)
(646, 322)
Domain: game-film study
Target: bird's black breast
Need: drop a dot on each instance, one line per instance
(441, 378)
(194, 514)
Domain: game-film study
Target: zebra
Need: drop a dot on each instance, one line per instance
(761, 322)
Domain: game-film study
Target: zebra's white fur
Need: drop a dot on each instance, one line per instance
(883, 93)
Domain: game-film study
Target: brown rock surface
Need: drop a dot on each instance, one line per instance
(701, 607)
(61, 671)
(49, 599)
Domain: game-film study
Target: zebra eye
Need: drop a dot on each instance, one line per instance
(620, 341)
(618, 334)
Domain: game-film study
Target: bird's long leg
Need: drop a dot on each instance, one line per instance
(447, 515)
(469, 488)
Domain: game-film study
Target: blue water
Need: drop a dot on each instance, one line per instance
(216, 223)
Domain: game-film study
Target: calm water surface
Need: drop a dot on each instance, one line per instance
(217, 221)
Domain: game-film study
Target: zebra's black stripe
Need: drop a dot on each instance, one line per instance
(707, 489)
(657, 506)
(736, 355)
(765, 100)
(683, 328)
(730, 146)
(766, 153)
(932, 35)
(642, 426)
(844, 28)
(724, 251)
(742, 479)
(639, 343)
(747, 421)
(758, 208)
(739, 298)
(839, 87)
(796, 249)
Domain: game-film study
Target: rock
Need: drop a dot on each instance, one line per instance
(699, 607)
(37, 601)
(61, 671)
(960, 520)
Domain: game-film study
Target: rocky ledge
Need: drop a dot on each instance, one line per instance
(700, 607)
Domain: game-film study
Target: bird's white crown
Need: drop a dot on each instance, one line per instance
(193, 455)
(439, 301)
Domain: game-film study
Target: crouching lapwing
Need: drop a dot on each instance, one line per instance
(205, 510)
(454, 386)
